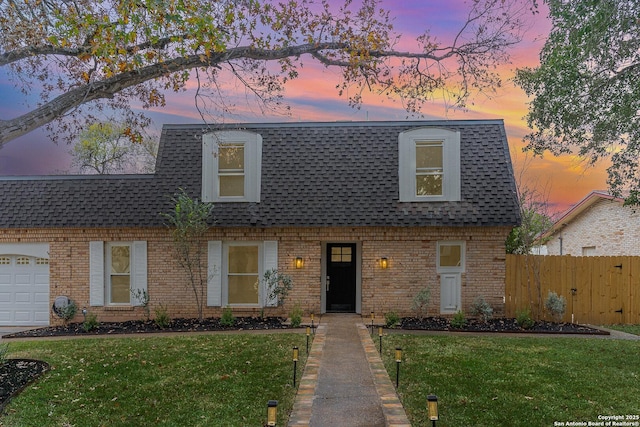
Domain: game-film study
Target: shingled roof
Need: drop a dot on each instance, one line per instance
(313, 174)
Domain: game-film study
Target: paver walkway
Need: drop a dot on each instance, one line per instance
(345, 382)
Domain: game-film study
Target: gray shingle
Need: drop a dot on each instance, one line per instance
(313, 174)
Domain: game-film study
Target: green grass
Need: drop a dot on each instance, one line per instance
(199, 380)
(497, 381)
(630, 329)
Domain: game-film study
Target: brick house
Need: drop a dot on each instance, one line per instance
(361, 216)
(598, 225)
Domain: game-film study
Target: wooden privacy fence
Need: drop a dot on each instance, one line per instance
(598, 290)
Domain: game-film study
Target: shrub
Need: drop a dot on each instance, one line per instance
(277, 286)
(556, 305)
(459, 321)
(420, 303)
(65, 308)
(142, 296)
(296, 316)
(162, 317)
(227, 318)
(523, 318)
(391, 319)
(91, 322)
(482, 309)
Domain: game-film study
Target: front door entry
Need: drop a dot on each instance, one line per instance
(341, 277)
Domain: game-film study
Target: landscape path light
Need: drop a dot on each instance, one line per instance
(398, 360)
(373, 316)
(295, 363)
(272, 412)
(432, 407)
(308, 333)
(380, 336)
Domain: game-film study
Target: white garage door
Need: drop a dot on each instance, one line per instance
(24, 290)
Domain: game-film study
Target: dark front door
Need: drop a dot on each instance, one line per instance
(341, 277)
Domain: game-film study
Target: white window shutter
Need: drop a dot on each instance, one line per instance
(139, 273)
(270, 263)
(214, 274)
(96, 273)
(209, 147)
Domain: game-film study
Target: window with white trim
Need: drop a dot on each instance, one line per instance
(235, 272)
(117, 272)
(451, 257)
(231, 166)
(429, 165)
(243, 274)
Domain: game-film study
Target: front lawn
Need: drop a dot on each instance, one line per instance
(496, 381)
(630, 329)
(199, 380)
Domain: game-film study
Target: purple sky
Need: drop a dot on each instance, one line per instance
(313, 97)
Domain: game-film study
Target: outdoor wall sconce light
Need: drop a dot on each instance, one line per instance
(299, 262)
(384, 263)
(398, 360)
(272, 412)
(432, 407)
(295, 363)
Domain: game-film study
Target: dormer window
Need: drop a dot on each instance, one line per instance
(429, 168)
(231, 170)
(231, 166)
(429, 165)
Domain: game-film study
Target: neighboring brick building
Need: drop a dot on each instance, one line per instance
(598, 225)
(434, 199)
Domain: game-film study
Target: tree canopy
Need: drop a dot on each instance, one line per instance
(86, 56)
(586, 90)
(103, 148)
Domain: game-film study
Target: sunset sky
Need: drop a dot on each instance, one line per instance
(313, 97)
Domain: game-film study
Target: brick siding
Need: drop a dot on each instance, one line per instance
(607, 226)
(411, 253)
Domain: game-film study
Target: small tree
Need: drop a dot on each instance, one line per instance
(106, 148)
(420, 303)
(188, 221)
(276, 286)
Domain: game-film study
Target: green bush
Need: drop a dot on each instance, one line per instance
(459, 321)
(523, 318)
(556, 305)
(162, 317)
(227, 318)
(420, 302)
(391, 319)
(90, 323)
(482, 309)
(69, 311)
(296, 316)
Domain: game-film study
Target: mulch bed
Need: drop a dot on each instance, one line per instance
(149, 326)
(16, 374)
(497, 325)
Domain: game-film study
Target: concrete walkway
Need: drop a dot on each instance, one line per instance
(344, 381)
